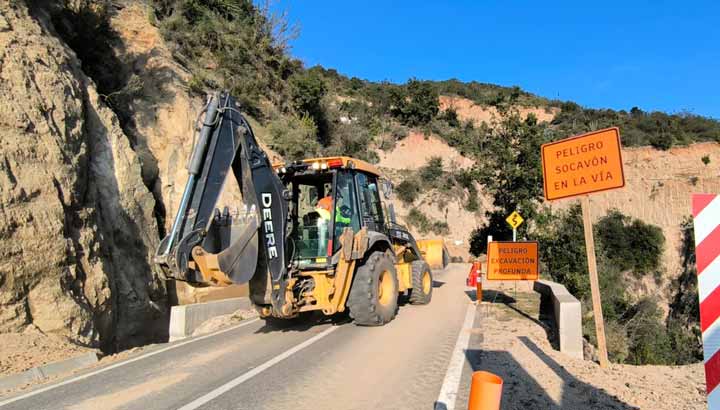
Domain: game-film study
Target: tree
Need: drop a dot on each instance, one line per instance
(414, 104)
(306, 92)
(510, 169)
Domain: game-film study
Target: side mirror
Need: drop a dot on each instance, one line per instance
(391, 213)
(386, 187)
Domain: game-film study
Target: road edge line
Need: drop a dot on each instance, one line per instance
(213, 394)
(122, 363)
(448, 392)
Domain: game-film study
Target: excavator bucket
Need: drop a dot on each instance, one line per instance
(434, 252)
(234, 238)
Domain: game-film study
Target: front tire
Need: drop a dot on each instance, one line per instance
(422, 283)
(373, 298)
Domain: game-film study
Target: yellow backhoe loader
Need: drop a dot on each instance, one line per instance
(316, 234)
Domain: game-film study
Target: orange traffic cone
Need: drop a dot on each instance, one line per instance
(485, 391)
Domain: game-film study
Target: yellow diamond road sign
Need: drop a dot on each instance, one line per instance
(514, 220)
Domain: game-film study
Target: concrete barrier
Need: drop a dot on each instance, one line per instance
(49, 370)
(568, 315)
(184, 319)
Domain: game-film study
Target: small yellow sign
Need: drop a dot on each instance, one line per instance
(514, 220)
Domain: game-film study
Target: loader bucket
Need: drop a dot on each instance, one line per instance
(434, 252)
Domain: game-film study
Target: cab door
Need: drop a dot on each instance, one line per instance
(371, 212)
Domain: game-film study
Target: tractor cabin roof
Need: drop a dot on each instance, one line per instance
(340, 162)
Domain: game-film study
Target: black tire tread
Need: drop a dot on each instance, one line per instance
(362, 300)
(417, 296)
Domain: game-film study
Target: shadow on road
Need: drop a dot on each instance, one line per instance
(522, 391)
(303, 322)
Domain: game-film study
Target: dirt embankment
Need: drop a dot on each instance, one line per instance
(467, 110)
(414, 151)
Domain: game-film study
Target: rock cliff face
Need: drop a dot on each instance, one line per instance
(77, 228)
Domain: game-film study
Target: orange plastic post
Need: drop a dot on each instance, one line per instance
(485, 391)
(478, 271)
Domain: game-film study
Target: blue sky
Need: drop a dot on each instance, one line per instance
(657, 55)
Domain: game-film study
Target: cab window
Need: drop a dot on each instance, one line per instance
(370, 206)
(345, 212)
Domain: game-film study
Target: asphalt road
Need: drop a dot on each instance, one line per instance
(315, 363)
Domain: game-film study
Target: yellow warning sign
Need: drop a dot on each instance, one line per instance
(514, 220)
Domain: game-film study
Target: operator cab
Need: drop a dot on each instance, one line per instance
(329, 195)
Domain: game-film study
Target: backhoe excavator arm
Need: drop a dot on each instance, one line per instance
(207, 247)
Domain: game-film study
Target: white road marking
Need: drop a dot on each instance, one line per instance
(448, 392)
(254, 372)
(123, 363)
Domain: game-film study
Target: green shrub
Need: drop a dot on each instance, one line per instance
(450, 116)
(432, 170)
(417, 219)
(424, 224)
(244, 45)
(294, 137)
(705, 159)
(352, 140)
(630, 244)
(408, 190)
(683, 319)
(615, 336)
(466, 180)
(649, 340)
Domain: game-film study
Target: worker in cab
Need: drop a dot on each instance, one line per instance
(324, 209)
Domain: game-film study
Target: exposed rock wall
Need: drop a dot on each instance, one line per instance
(162, 125)
(76, 220)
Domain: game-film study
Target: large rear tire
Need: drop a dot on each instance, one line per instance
(422, 283)
(373, 299)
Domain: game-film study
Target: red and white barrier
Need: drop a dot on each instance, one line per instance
(706, 214)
